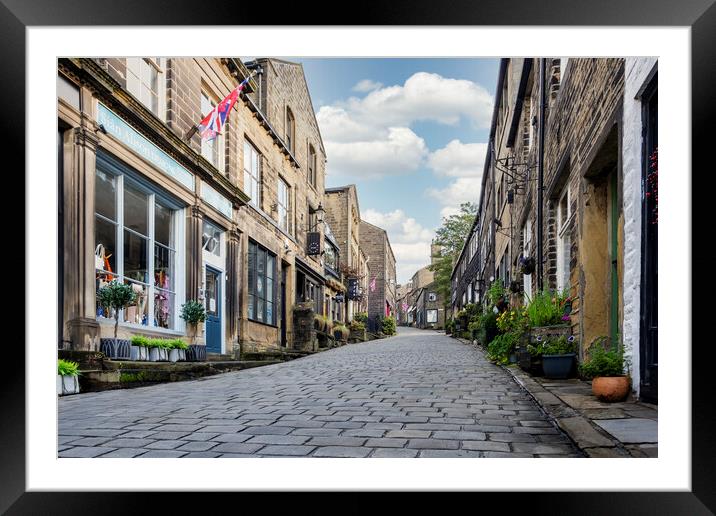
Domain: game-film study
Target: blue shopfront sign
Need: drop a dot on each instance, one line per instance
(126, 134)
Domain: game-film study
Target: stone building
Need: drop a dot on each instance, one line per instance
(343, 215)
(567, 182)
(381, 278)
(429, 308)
(225, 222)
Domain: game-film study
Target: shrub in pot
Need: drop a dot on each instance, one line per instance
(175, 349)
(388, 325)
(194, 313)
(139, 350)
(606, 369)
(115, 296)
(67, 377)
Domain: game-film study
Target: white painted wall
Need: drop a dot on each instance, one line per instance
(636, 70)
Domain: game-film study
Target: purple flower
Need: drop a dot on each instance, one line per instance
(570, 339)
(565, 317)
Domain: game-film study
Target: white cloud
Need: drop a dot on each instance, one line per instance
(367, 85)
(459, 159)
(447, 211)
(409, 239)
(401, 151)
(463, 189)
(423, 96)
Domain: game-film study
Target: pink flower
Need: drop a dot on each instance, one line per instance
(565, 317)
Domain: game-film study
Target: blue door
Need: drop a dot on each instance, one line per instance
(213, 310)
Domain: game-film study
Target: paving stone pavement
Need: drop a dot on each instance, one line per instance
(418, 394)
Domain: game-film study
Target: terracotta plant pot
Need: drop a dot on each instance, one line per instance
(611, 388)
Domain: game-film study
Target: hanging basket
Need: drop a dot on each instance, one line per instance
(527, 265)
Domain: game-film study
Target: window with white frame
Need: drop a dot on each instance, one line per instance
(211, 238)
(146, 81)
(284, 200)
(312, 164)
(432, 296)
(469, 292)
(431, 316)
(136, 239)
(290, 130)
(252, 173)
(527, 252)
(212, 150)
(564, 219)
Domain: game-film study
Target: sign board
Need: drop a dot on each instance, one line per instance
(126, 134)
(314, 244)
(339, 298)
(215, 199)
(353, 288)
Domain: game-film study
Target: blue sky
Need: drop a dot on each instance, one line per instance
(407, 132)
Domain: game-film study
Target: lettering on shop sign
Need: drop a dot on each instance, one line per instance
(126, 134)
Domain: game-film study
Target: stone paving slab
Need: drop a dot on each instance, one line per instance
(419, 394)
(632, 430)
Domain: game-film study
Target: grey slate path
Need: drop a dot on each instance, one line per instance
(418, 394)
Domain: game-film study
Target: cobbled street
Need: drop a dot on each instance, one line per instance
(418, 394)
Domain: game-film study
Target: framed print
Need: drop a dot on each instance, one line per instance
(282, 216)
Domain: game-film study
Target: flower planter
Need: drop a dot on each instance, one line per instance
(182, 355)
(116, 348)
(153, 354)
(611, 388)
(138, 353)
(163, 355)
(67, 384)
(196, 353)
(173, 355)
(357, 336)
(534, 365)
(558, 367)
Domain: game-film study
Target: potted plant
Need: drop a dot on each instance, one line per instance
(606, 369)
(545, 313)
(527, 265)
(319, 322)
(139, 350)
(115, 296)
(176, 349)
(557, 354)
(194, 313)
(341, 332)
(357, 331)
(154, 346)
(67, 377)
(388, 325)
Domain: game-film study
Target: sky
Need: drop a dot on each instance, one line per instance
(411, 133)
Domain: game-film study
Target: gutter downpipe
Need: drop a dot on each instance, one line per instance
(540, 177)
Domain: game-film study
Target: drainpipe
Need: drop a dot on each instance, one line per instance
(540, 174)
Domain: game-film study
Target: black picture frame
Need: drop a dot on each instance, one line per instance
(699, 15)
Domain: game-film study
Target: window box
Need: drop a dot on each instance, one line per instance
(139, 353)
(118, 349)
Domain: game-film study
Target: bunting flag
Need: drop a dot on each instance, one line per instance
(213, 123)
(372, 284)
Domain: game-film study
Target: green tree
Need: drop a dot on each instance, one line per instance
(450, 238)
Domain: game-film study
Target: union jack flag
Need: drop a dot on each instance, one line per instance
(213, 123)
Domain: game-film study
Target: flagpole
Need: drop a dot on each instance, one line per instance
(195, 127)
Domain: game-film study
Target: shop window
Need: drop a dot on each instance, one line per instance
(262, 268)
(136, 242)
(212, 150)
(432, 316)
(145, 80)
(252, 174)
(330, 257)
(211, 238)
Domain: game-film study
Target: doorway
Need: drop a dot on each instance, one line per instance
(284, 322)
(212, 295)
(648, 341)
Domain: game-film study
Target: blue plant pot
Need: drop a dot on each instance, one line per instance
(558, 367)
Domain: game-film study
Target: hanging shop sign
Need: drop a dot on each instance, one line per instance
(339, 298)
(126, 134)
(353, 289)
(215, 199)
(314, 244)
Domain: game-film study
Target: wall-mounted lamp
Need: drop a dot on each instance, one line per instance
(101, 129)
